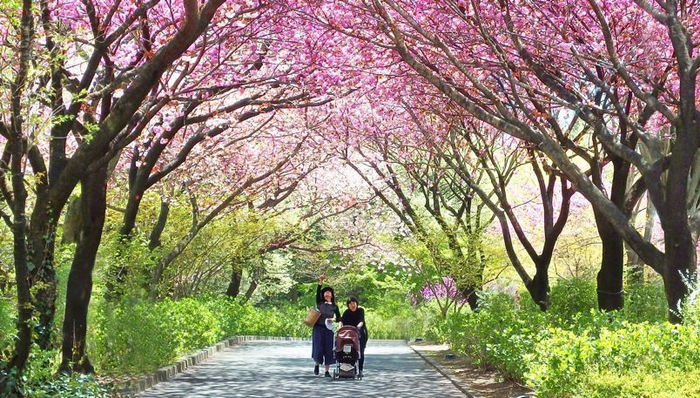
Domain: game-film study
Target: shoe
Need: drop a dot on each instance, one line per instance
(328, 374)
(316, 370)
(360, 374)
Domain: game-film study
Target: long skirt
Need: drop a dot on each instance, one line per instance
(322, 345)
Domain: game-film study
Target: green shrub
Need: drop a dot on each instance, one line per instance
(227, 312)
(403, 325)
(649, 347)
(566, 363)
(499, 335)
(8, 330)
(41, 379)
(559, 363)
(131, 336)
(193, 325)
(645, 303)
(76, 385)
(668, 383)
(571, 297)
(7, 318)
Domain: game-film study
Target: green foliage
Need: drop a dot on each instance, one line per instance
(7, 318)
(570, 297)
(134, 254)
(565, 362)
(668, 383)
(237, 317)
(645, 303)
(136, 336)
(574, 350)
(499, 334)
(41, 379)
(131, 336)
(560, 363)
(194, 326)
(404, 324)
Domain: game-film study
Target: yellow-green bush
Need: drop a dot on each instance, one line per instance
(669, 383)
(131, 336)
(564, 364)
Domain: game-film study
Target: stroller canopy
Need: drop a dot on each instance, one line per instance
(347, 335)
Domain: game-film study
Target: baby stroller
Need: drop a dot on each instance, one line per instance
(347, 352)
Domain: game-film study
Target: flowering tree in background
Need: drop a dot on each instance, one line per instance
(529, 69)
(500, 158)
(403, 167)
(445, 293)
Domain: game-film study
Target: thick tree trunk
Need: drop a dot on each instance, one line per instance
(680, 272)
(681, 266)
(25, 309)
(234, 286)
(681, 256)
(539, 287)
(44, 282)
(610, 276)
(472, 299)
(93, 205)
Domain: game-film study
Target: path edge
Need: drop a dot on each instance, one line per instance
(132, 388)
(443, 372)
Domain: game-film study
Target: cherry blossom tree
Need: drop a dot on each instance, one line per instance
(397, 162)
(500, 158)
(527, 68)
(94, 71)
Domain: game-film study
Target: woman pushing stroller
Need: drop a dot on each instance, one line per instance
(355, 316)
(322, 337)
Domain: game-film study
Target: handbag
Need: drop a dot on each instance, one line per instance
(312, 316)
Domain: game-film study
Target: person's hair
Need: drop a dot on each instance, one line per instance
(352, 299)
(328, 289)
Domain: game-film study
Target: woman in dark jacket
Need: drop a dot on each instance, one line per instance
(355, 316)
(322, 337)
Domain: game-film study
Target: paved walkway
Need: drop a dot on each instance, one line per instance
(284, 369)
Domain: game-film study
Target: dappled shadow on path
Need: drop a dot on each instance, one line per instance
(284, 369)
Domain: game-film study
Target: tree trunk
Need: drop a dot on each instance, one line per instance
(681, 266)
(25, 309)
(635, 266)
(93, 205)
(234, 286)
(251, 289)
(472, 299)
(610, 276)
(157, 232)
(681, 256)
(539, 287)
(42, 238)
(72, 222)
(680, 272)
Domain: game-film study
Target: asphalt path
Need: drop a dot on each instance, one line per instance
(284, 369)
